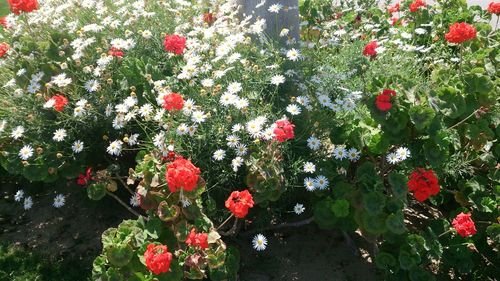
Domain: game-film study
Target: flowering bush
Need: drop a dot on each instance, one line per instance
(378, 120)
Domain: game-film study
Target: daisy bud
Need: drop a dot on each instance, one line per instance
(133, 94)
(109, 81)
(132, 88)
(59, 155)
(112, 186)
(255, 67)
(48, 85)
(125, 139)
(203, 92)
(61, 53)
(104, 137)
(149, 78)
(51, 170)
(25, 163)
(38, 95)
(39, 150)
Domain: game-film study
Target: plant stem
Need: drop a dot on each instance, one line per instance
(283, 225)
(123, 204)
(225, 221)
(466, 118)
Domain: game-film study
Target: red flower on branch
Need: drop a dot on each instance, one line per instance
(423, 183)
(283, 130)
(494, 8)
(239, 202)
(417, 4)
(83, 179)
(460, 32)
(60, 102)
(18, 6)
(197, 239)
(383, 100)
(370, 49)
(173, 101)
(174, 44)
(394, 8)
(208, 18)
(464, 225)
(4, 48)
(115, 52)
(157, 258)
(182, 174)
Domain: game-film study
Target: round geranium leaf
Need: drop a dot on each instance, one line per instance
(341, 208)
(395, 223)
(119, 255)
(421, 116)
(96, 191)
(408, 261)
(374, 202)
(385, 261)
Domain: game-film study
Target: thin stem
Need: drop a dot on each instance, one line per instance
(123, 204)
(283, 225)
(225, 221)
(446, 232)
(466, 118)
(124, 184)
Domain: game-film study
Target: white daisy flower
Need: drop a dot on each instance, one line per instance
(236, 163)
(59, 135)
(78, 111)
(259, 242)
(228, 99)
(219, 155)
(59, 201)
(392, 158)
(134, 200)
(313, 143)
(28, 203)
(241, 149)
(309, 167)
(17, 132)
(92, 85)
(133, 139)
(321, 182)
(309, 184)
(299, 208)
(340, 152)
(277, 80)
(188, 106)
(77, 146)
(293, 109)
(234, 88)
(19, 195)
(115, 148)
(61, 80)
(26, 152)
(403, 153)
(236, 128)
(182, 129)
(293, 54)
(198, 116)
(275, 8)
(353, 154)
(146, 110)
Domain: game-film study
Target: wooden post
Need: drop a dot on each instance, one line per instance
(287, 17)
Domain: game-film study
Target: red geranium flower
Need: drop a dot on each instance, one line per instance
(460, 32)
(18, 6)
(423, 183)
(115, 52)
(197, 239)
(394, 8)
(3, 22)
(182, 174)
(416, 5)
(394, 21)
(370, 49)
(84, 179)
(158, 258)
(174, 44)
(383, 100)
(283, 130)
(239, 202)
(4, 48)
(494, 8)
(173, 101)
(464, 225)
(60, 102)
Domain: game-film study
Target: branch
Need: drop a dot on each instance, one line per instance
(123, 204)
(279, 226)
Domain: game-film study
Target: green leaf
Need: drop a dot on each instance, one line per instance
(374, 202)
(408, 261)
(96, 191)
(421, 116)
(341, 208)
(398, 184)
(488, 205)
(450, 102)
(493, 231)
(395, 223)
(323, 214)
(385, 261)
(119, 254)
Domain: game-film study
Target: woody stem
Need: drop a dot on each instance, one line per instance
(225, 221)
(123, 204)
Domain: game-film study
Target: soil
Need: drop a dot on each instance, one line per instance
(74, 231)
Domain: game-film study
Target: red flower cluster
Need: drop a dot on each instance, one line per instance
(283, 130)
(239, 202)
(494, 8)
(174, 44)
(423, 183)
(115, 52)
(60, 102)
(173, 101)
(84, 179)
(464, 225)
(416, 5)
(18, 6)
(158, 258)
(394, 8)
(383, 100)
(4, 48)
(197, 239)
(460, 32)
(182, 174)
(3, 22)
(370, 49)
